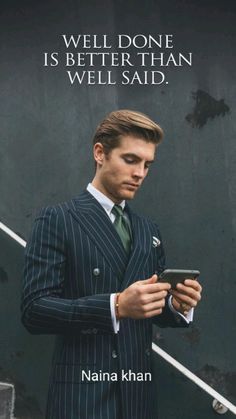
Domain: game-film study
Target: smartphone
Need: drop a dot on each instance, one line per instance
(174, 276)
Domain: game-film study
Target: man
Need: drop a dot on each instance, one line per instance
(91, 278)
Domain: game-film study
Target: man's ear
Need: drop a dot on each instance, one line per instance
(98, 153)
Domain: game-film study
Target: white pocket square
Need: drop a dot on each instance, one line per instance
(155, 241)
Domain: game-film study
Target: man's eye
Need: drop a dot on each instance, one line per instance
(129, 161)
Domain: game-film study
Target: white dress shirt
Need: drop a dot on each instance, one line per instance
(108, 205)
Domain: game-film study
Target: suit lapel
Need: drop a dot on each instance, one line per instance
(94, 220)
(141, 247)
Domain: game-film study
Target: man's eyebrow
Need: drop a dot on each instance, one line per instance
(133, 155)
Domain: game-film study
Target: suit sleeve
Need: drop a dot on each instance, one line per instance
(44, 308)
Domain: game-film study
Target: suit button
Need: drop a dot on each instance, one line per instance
(147, 352)
(114, 354)
(96, 271)
(95, 331)
(86, 331)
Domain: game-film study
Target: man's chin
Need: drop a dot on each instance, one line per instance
(124, 193)
(128, 194)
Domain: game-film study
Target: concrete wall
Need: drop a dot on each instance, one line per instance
(45, 157)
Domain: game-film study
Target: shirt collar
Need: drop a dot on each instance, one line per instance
(103, 200)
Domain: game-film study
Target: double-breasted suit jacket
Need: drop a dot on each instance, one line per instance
(74, 261)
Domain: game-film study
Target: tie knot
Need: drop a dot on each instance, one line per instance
(117, 211)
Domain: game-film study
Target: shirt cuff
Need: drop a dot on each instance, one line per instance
(115, 322)
(189, 316)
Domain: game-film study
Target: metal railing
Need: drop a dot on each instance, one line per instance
(220, 404)
(13, 235)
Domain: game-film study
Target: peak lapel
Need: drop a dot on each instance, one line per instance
(94, 220)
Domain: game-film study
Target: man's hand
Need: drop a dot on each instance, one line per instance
(186, 296)
(143, 299)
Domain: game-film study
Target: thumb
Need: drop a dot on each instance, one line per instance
(152, 280)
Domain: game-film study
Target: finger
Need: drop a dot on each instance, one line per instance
(183, 298)
(152, 313)
(146, 299)
(179, 301)
(162, 286)
(151, 285)
(194, 284)
(156, 305)
(151, 280)
(176, 298)
(189, 291)
(183, 307)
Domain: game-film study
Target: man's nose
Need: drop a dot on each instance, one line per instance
(139, 171)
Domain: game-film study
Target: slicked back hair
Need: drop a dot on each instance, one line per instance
(126, 122)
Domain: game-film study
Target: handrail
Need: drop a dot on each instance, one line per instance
(13, 235)
(204, 386)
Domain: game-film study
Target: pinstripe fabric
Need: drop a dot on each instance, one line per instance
(74, 260)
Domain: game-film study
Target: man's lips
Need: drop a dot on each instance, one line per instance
(133, 185)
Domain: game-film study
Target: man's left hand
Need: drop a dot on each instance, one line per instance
(186, 295)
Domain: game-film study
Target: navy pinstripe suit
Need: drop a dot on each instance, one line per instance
(74, 261)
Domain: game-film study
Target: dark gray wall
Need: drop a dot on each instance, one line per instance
(45, 157)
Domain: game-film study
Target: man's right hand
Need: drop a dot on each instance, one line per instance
(143, 299)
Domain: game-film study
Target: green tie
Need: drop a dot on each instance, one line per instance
(122, 227)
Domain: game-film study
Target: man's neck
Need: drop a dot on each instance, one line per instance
(97, 185)
(103, 200)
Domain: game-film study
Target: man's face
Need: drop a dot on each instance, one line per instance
(122, 171)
